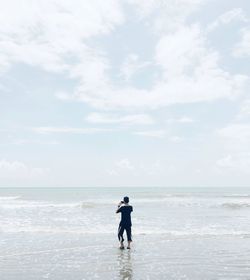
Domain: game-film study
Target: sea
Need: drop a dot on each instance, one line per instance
(71, 233)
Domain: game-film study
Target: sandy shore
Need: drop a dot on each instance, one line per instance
(98, 257)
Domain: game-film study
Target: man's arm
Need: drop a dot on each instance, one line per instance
(119, 207)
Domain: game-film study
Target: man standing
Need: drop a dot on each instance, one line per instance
(125, 224)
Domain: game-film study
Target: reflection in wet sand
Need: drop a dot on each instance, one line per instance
(125, 265)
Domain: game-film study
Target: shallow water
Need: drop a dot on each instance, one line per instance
(177, 234)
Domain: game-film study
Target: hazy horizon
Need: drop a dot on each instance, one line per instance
(124, 188)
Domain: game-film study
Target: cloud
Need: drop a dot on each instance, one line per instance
(158, 133)
(121, 166)
(112, 172)
(236, 136)
(176, 139)
(33, 142)
(236, 14)
(235, 139)
(55, 35)
(124, 164)
(225, 162)
(244, 114)
(170, 14)
(142, 119)
(181, 120)
(155, 168)
(242, 49)
(234, 163)
(12, 170)
(151, 133)
(131, 66)
(148, 170)
(65, 96)
(69, 130)
(190, 72)
(52, 34)
(127, 57)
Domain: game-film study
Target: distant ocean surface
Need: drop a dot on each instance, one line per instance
(71, 233)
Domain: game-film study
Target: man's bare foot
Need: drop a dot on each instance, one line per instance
(122, 246)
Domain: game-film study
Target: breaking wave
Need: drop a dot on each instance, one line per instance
(6, 198)
(236, 205)
(137, 231)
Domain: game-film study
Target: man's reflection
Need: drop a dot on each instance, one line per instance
(125, 265)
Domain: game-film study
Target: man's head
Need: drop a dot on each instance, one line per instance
(126, 199)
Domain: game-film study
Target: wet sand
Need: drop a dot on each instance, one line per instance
(98, 257)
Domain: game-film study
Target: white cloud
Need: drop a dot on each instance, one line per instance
(238, 163)
(244, 113)
(53, 35)
(235, 139)
(236, 14)
(180, 52)
(18, 170)
(112, 172)
(148, 170)
(226, 161)
(168, 59)
(170, 14)
(190, 73)
(125, 164)
(34, 142)
(243, 47)
(50, 33)
(145, 8)
(131, 66)
(151, 133)
(142, 119)
(236, 136)
(181, 120)
(176, 139)
(65, 96)
(70, 130)
(120, 167)
(160, 133)
(154, 168)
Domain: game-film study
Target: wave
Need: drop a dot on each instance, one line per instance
(88, 205)
(235, 205)
(195, 233)
(9, 197)
(237, 195)
(32, 204)
(136, 232)
(14, 202)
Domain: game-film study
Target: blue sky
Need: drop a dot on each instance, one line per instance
(124, 93)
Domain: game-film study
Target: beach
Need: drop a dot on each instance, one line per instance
(178, 233)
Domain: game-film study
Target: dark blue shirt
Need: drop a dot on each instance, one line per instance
(125, 211)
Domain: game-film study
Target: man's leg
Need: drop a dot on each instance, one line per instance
(120, 236)
(129, 237)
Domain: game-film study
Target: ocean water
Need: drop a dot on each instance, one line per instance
(71, 233)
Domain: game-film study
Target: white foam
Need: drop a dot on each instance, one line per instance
(236, 205)
(207, 232)
(202, 232)
(9, 197)
(38, 204)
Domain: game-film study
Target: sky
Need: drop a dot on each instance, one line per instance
(124, 93)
